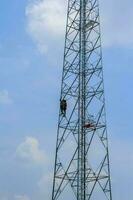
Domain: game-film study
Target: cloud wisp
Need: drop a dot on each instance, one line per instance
(5, 99)
(29, 152)
(116, 22)
(45, 20)
(21, 197)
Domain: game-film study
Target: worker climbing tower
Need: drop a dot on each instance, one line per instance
(82, 170)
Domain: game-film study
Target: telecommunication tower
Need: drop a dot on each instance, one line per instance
(82, 170)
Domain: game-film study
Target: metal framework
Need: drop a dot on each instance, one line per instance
(82, 169)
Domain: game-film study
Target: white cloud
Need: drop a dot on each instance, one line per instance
(121, 160)
(46, 22)
(21, 197)
(46, 180)
(46, 19)
(116, 22)
(4, 97)
(29, 152)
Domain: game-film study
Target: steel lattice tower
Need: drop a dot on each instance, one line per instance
(82, 169)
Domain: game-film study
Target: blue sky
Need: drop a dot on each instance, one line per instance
(31, 51)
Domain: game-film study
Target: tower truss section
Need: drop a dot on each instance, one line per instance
(82, 170)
